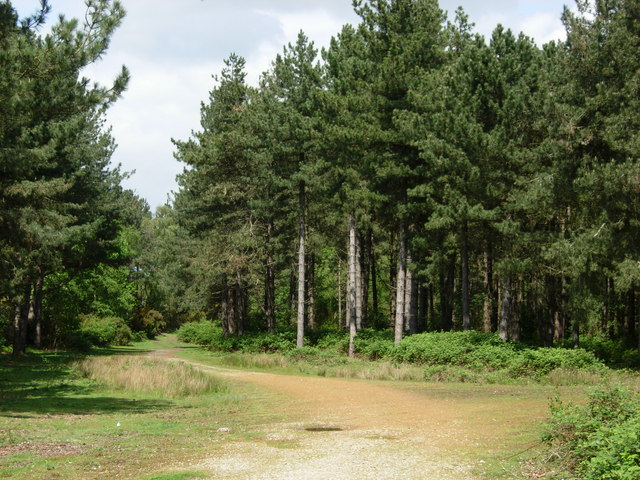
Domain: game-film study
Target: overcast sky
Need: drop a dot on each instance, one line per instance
(173, 47)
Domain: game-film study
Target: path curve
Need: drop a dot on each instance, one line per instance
(358, 430)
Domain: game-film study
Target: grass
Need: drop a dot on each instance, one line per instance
(58, 423)
(339, 366)
(147, 375)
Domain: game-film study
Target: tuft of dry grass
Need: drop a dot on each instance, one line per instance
(155, 376)
(378, 371)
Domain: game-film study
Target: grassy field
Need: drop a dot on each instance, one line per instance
(57, 423)
(65, 417)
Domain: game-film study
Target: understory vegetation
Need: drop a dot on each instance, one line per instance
(596, 441)
(434, 356)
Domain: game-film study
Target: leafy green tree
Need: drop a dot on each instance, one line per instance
(60, 198)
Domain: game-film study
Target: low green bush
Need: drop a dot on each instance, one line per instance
(611, 352)
(105, 331)
(373, 344)
(542, 361)
(599, 440)
(282, 342)
(445, 348)
(199, 333)
(481, 352)
(332, 340)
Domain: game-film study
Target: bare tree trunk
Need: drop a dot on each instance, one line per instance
(559, 317)
(20, 322)
(447, 286)
(393, 263)
(505, 317)
(269, 283)
(340, 324)
(351, 286)
(400, 287)
(423, 301)
(311, 310)
(410, 297)
(464, 263)
(575, 333)
(488, 305)
(293, 285)
(516, 312)
(365, 262)
(301, 269)
(374, 282)
(240, 295)
(358, 280)
(231, 311)
(37, 310)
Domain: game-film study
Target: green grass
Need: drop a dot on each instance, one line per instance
(56, 423)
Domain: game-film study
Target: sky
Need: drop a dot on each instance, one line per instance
(174, 47)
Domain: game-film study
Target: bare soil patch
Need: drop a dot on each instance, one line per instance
(352, 429)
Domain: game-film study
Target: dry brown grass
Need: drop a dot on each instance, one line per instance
(156, 376)
(378, 371)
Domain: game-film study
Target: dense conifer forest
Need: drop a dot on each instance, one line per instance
(411, 177)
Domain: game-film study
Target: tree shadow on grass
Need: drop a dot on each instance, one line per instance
(44, 384)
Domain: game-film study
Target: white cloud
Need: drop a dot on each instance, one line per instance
(173, 47)
(543, 27)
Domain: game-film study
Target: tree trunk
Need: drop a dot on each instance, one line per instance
(575, 333)
(240, 294)
(340, 324)
(37, 311)
(358, 279)
(351, 286)
(447, 284)
(505, 314)
(20, 322)
(516, 312)
(365, 262)
(400, 287)
(423, 301)
(488, 305)
(293, 285)
(311, 309)
(393, 263)
(301, 268)
(410, 297)
(464, 263)
(374, 282)
(269, 283)
(230, 320)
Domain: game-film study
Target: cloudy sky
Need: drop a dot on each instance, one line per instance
(173, 47)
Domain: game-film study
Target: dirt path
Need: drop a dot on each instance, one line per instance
(346, 429)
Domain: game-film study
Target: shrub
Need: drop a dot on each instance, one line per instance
(444, 348)
(337, 341)
(268, 342)
(373, 344)
(199, 333)
(612, 352)
(105, 331)
(149, 321)
(543, 361)
(600, 440)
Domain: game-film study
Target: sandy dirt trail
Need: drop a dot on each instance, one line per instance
(350, 429)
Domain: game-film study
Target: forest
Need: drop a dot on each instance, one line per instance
(411, 177)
